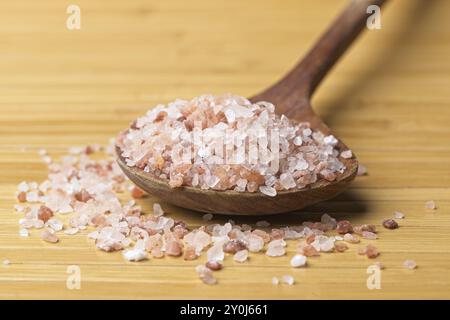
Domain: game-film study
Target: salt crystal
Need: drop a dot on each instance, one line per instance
(71, 231)
(276, 248)
(347, 154)
(24, 232)
(298, 261)
(268, 191)
(410, 264)
(430, 205)
(135, 255)
(157, 210)
(289, 280)
(23, 187)
(298, 141)
(55, 224)
(207, 217)
(215, 253)
(275, 281)
(390, 224)
(255, 243)
(49, 237)
(362, 170)
(205, 274)
(241, 256)
(213, 265)
(6, 262)
(369, 235)
(399, 215)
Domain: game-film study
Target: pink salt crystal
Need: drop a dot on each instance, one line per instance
(430, 205)
(157, 210)
(71, 231)
(6, 262)
(369, 235)
(351, 238)
(372, 252)
(264, 235)
(340, 247)
(49, 237)
(213, 265)
(361, 250)
(347, 154)
(329, 221)
(22, 196)
(307, 250)
(410, 264)
(205, 274)
(137, 192)
(399, 215)
(255, 243)
(173, 248)
(215, 253)
(276, 234)
(275, 281)
(364, 227)
(234, 246)
(268, 191)
(190, 253)
(24, 232)
(344, 227)
(276, 248)
(241, 256)
(390, 224)
(362, 170)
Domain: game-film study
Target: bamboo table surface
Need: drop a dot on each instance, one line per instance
(388, 99)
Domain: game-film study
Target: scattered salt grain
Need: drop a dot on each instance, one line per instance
(135, 255)
(372, 252)
(289, 280)
(71, 231)
(276, 248)
(275, 281)
(399, 215)
(241, 256)
(410, 264)
(362, 170)
(205, 274)
(268, 191)
(430, 205)
(214, 265)
(24, 232)
(298, 261)
(390, 224)
(6, 262)
(369, 235)
(49, 236)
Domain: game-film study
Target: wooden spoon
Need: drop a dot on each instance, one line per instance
(291, 96)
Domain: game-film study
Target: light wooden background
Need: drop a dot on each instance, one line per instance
(388, 99)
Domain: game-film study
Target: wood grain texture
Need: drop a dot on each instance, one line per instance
(387, 99)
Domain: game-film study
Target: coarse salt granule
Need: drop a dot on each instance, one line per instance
(207, 217)
(289, 280)
(205, 274)
(6, 262)
(24, 232)
(241, 256)
(298, 261)
(430, 205)
(227, 142)
(347, 154)
(362, 170)
(135, 254)
(262, 224)
(399, 215)
(275, 281)
(410, 264)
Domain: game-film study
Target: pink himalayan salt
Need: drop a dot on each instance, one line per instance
(205, 274)
(213, 265)
(390, 224)
(348, 237)
(234, 246)
(137, 192)
(344, 227)
(399, 215)
(255, 243)
(289, 280)
(157, 210)
(347, 154)
(6, 262)
(372, 252)
(44, 213)
(275, 281)
(369, 235)
(340, 247)
(410, 264)
(362, 170)
(189, 253)
(276, 248)
(135, 255)
(49, 237)
(241, 256)
(430, 205)
(364, 227)
(307, 250)
(168, 152)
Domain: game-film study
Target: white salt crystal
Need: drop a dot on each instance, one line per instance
(255, 243)
(298, 141)
(399, 215)
(287, 181)
(205, 274)
(362, 170)
(276, 248)
(71, 231)
(268, 191)
(23, 187)
(289, 280)
(215, 253)
(135, 254)
(241, 256)
(330, 140)
(24, 232)
(6, 262)
(275, 281)
(347, 154)
(298, 261)
(410, 264)
(55, 224)
(157, 210)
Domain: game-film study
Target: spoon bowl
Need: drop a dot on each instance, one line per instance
(291, 96)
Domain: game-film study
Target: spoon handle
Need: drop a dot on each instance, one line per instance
(297, 87)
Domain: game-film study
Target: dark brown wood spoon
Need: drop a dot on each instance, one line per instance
(291, 96)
